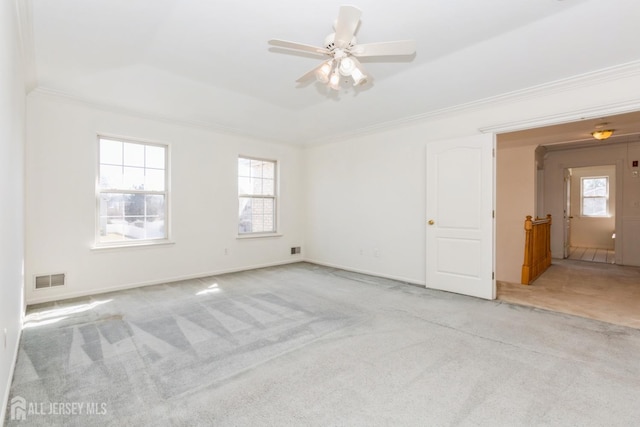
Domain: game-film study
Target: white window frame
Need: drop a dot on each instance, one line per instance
(166, 193)
(275, 197)
(583, 197)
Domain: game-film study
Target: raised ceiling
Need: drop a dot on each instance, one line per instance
(208, 62)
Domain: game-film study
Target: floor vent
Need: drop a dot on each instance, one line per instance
(50, 280)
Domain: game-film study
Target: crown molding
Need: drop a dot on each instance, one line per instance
(558, 119)
(27, 44)
(214, 127)
(583, 80)
(613, 73)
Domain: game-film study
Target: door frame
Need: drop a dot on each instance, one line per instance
(619, 164)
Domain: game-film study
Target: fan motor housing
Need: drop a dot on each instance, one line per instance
(329, 42)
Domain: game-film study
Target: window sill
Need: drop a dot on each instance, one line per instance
(257, 235)
(131, 245)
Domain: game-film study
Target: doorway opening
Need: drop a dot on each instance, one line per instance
(590, 213)
(591, 190)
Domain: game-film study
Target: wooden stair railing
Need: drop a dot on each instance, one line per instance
(537, 248)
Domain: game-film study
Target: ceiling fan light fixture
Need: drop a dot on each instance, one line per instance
(334, 80)
(347, 66)
(602, 134)
(324, 72)
(358, 77)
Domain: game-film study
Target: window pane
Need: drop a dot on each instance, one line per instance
(594, 187)
(244, 167)
(154, 180)
(155, 207)
(268, 188)
(257, 213)
(110, 176)
(133, 154)
(244, 213)
(268, 170)
(133, 179)
(268, 219)
(594, 206)
(154, 157)
(154, 229)
(256, 178)
(134, 205)
(111, 217)
(131, 166)
(110, 152)
(256, 186)
(256, 168)
(244, 186)
(112, 205)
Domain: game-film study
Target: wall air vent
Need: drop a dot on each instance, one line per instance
(49, 280)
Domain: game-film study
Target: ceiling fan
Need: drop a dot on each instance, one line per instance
(343, 51)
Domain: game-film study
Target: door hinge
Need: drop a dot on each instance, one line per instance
(493, 214)
(493, 276)
(493, 152)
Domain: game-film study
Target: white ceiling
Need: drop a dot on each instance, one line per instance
(208, 62)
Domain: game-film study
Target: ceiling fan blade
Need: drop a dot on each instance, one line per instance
(313, 72)
(401, 47)
(348, 18)
(299, 46)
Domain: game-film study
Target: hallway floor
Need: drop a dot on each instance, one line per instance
(606, 292)
(592, 254)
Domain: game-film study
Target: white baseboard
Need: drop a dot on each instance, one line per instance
(98, 291)
(367, 272)
(68, 295)
(7, 391)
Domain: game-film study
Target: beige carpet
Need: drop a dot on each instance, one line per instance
(606, 292)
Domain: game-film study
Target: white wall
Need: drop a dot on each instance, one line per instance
(366, 194)
(60, 203)
(592, 232)
(12, 121)
(515, 199)
(627, 242)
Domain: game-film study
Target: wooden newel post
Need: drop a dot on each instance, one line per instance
(526, 265)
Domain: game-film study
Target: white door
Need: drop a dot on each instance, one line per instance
(460, 223)
(567, 213)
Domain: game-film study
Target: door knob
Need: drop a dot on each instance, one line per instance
(431, 222)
